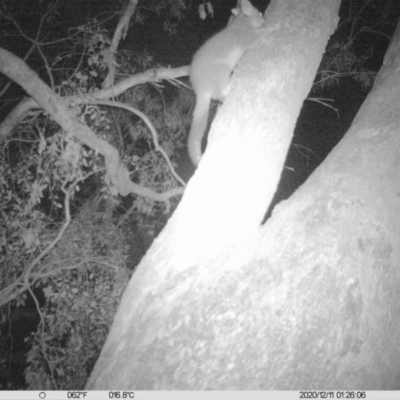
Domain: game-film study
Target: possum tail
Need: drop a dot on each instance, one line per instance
(199, 125)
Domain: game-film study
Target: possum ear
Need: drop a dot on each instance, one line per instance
(235, 13)
(246, 7)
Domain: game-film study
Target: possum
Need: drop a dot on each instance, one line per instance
(213, 65)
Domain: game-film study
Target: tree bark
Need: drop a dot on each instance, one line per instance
(218, 302)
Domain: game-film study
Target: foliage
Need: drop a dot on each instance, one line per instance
(84, 274)
(81, 296)
(363, 35)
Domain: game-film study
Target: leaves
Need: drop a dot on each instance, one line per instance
(83, 277)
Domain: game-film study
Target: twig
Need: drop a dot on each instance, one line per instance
(152, 130)
(60, 234)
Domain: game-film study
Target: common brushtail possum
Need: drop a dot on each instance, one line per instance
(213, 64)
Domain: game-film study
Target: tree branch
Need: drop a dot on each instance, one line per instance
(18, 71)
(120, 31)
(152, 130)
(153, 75)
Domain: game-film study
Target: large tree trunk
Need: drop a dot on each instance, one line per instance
(204, 310)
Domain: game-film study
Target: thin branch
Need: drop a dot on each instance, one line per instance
(28, 53)
(35, 42)
(11, 292)
(120, 31)
(27, 104)
(97, 260)
(18, 71)
(152, 130)
(324, 102)
(67, 221)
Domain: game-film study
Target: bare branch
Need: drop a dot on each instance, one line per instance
(29, 52)
(67, 221)
(153, 75)
(35, 42)
(120, 31)
(15, 69)
(152, 130)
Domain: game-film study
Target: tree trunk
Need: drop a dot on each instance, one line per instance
(204, 310)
